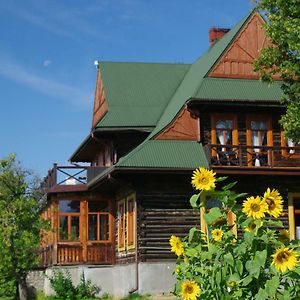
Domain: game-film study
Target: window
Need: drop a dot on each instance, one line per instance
(69, 220)
(126, 223)
(223, 134)
(259, 133)
(289, 151)
(294, 215)
(224, 130)
(130, 222)
(98, 221)
(121, 225)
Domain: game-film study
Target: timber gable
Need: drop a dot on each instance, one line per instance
(237, 60)
(100, 104)
(184, 127)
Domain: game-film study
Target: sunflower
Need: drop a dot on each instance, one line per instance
(252, 226)
(217, 235)
(285, 258)
(274, 201)
(255, 207)
(176, 245)
(203, 179)
(190, 290)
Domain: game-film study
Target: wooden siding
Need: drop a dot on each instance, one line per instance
(237, 61)
(100, 105)
(157, 226)
(184, 127)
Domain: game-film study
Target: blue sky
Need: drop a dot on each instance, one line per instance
(47, 54)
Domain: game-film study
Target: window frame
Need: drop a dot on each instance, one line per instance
(269, 135)
(98, 214)
(291, 214)
(121, 221)
(130, 232)
(223, 117)
(69, 218)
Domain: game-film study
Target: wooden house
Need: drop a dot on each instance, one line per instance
(152, 125)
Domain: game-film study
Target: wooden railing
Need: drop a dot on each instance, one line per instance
(253, 156)
(71, 254)
(70, 175)
(46, 255)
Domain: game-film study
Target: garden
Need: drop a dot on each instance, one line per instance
(241, 251)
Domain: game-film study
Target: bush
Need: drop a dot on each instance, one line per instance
(214, 263)
(63, 286)
(86, 289)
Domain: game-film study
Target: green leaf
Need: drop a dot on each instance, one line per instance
(220, 179)
(260, 258)
(192, 232)
(229, 186)
(241, 195)
(191, 252)
(261, 295)
(218, 277)
(274, 223)
(228, 258)
(213, 215)
(272, 286)
(239, 267)
(249, 238)
(253, 268)
(246, 280)
(193, 200)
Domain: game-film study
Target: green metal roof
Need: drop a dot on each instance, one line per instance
(193, 78)
(137, 93)
(165, 154)
(238, 89)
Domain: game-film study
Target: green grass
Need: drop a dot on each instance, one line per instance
(137, 296)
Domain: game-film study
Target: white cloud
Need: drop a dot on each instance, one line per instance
(47, 62)
(55, 89)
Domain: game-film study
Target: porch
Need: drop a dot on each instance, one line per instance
(81, 222)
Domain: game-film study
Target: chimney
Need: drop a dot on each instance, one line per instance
(216, 33)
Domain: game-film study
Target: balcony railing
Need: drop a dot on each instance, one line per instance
(70, 175)
(76, 254)
(253, 156)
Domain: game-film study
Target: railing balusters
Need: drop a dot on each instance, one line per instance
(267, 156)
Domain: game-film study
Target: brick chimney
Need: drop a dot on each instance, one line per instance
(216, 34)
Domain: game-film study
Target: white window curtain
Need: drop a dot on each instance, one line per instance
(221, 126)
(257, 139)
(291, 143)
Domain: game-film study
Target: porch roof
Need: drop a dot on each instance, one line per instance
(166, 154)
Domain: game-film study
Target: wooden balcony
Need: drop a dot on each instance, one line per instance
(253, 157)
(65, 178)
(68, 254)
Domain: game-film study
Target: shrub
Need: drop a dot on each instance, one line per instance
(86, 289)
(214, 263)
(63, 286)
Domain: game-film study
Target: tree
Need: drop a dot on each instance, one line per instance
(283, 57)
(20, 227)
